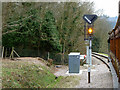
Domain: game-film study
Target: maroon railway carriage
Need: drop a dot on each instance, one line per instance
(114, 41)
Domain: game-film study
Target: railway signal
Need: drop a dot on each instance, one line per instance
(89, 20)
(90, 31)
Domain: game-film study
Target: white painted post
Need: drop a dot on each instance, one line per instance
(87, 59)
(87, 51)
(90, 52)
(90, 59)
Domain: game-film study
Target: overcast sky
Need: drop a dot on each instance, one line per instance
(110, 7)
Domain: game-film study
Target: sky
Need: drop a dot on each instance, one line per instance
(110, 7)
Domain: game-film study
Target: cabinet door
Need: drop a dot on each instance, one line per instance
(74, 64)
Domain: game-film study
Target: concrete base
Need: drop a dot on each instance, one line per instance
(80, 72)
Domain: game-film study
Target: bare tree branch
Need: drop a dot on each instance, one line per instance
(16, 21)
(9, 32)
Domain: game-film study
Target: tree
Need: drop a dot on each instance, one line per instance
(101, 29)
(24, 32)
(96, 44)
(50, 34)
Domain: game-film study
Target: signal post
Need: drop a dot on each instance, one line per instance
(88, 34)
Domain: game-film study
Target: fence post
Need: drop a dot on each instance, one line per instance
(2, 51)
(5, 52)
(11, 55)
(48, 56)
(12, 52)
(16, 53)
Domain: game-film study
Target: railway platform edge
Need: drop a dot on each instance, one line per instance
(114, 75)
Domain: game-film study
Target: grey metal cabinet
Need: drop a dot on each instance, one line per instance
(74, 62)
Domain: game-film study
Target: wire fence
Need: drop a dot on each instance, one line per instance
(58, 58)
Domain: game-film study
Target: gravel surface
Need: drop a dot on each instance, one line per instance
(100, 75)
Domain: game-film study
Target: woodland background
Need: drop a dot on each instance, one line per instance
(36, 28)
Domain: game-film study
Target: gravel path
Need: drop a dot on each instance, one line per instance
(100, 75)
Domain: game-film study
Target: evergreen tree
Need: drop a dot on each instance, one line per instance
(50, 35)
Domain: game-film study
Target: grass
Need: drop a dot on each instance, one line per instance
(18, 74)
(104, 54)
(25, 75)
(68, 82)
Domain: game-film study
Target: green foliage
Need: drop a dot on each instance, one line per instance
(95, 44)
(31, 31)
(27, 31)
(51, 27)
(102, 27)
(50, 33)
